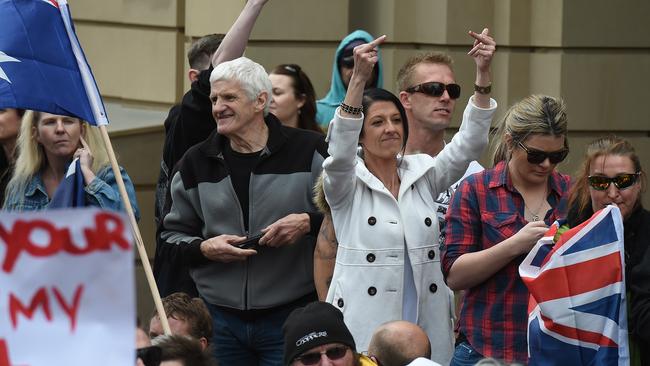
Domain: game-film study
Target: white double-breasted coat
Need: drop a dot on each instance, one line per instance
(374, 230)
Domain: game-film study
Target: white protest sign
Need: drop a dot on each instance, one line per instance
(66, 288)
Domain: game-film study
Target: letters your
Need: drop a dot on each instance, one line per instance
(41, 238)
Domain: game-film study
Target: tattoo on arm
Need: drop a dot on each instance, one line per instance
(327, 240)
(327, 231)
(325, 257)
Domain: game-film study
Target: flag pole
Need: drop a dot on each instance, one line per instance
(142, 251)
(101, 120)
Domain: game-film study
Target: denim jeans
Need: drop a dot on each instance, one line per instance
(237, 341)
(465, 355)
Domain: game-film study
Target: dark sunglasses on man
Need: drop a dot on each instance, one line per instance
(333, 353)
(436, 89)
(537, 156)
(621, 181)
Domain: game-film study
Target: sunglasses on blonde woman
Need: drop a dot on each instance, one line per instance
(621, 181)
(333, 353)
(537, 156)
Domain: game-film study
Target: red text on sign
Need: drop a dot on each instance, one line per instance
(41, 300)
(108, 231)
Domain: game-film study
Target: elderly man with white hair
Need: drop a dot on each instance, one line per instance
(250, 178)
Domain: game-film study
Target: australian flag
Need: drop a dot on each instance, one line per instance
(70, 192)
(577, 307)
(42, 65)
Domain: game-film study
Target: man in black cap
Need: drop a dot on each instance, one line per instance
(317, 335)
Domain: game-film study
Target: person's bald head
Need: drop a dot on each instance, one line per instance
(398, 343)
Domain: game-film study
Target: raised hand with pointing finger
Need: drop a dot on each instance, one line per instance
(482, 51)
(365, 58)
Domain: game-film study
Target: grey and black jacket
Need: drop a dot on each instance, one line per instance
(204, 205)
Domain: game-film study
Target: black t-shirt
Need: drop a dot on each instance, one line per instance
(240, 166)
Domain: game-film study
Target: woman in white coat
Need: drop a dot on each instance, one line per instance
(387, 263)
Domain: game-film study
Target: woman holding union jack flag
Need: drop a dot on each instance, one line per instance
(611, 174)
(496, 216)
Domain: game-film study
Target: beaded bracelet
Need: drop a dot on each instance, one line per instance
(351, 110)
(483, 89)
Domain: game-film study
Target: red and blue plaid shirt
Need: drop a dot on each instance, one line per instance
(485, 210)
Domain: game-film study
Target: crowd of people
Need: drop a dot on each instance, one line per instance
(343, 231)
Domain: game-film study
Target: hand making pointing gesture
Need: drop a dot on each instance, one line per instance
(483, 49)
(365, 58)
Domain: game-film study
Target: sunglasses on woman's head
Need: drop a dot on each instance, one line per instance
(333, 353)
(537, 156)
(621, 181)
(436, 89)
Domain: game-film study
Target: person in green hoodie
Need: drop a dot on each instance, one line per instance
(341, 74)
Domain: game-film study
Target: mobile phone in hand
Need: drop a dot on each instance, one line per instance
(250, 242)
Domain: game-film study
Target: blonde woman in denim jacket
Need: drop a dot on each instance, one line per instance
(47, 143)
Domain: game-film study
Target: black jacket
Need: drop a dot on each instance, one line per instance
(204, 205)
(186, 125)
(637, 268)
(637, 274)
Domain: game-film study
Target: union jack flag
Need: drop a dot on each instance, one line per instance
(577, 306)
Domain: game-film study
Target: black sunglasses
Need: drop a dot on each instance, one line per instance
(436, 89)
(538, 156)
(621, 181)
(333, 353)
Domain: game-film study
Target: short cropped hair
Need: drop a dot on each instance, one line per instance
(405, 73)
(181, 306)
(200, 53)
(251, 75)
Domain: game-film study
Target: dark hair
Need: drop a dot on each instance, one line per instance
(19, 112)
(370, 96)
(181, 306)
(183, 349)
(200, 53)
(302, 88)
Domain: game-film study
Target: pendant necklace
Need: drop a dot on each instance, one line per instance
(535, 214)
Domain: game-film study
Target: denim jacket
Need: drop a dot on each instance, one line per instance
(101, 192)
